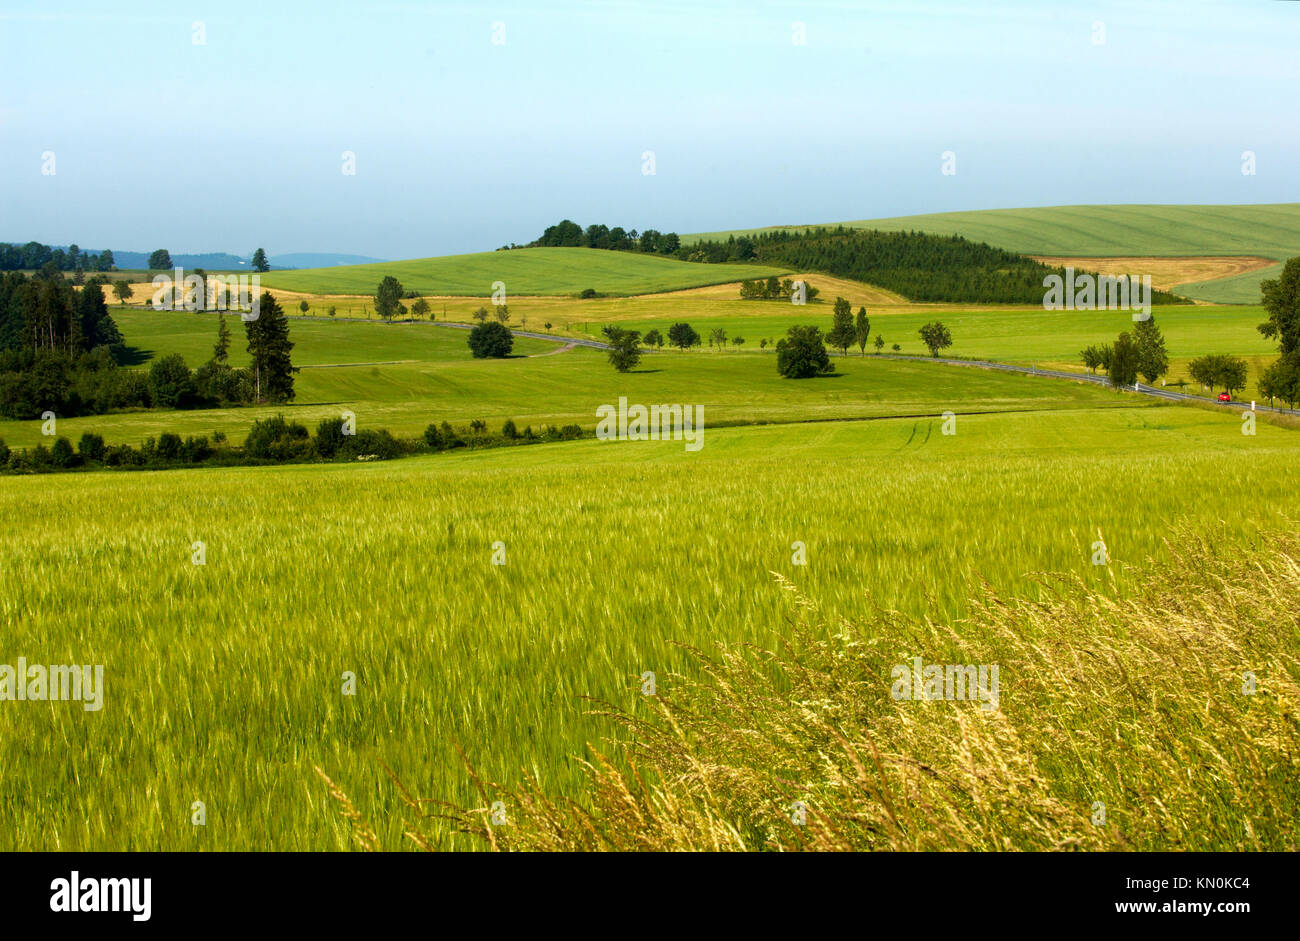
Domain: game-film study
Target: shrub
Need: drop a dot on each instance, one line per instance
(4, 452)
(508, 430)
(802, 353)
(277, 439)
(196, 450)
(370, 442)
(169, 446)
(123, 455)
(62, 455)
(91, 448)
(449, 437)
(588, 293)
(491, 340)
(329, 437)
(570, 432)
(433, 437)
(171, 384)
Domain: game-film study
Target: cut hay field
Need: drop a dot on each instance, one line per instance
(223, 682)
(525, 271)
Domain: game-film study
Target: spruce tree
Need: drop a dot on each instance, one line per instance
(269, 348)
(221, 351)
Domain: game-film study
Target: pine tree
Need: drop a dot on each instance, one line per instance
(221, 351)
(269, 347)
(862, 329)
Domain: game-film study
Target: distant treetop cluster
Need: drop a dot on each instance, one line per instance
(568, 234)
(34, 256)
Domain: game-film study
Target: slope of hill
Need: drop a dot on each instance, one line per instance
(525, 271)
(1272, 231)
(1267, 230)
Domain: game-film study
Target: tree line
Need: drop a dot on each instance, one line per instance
(917, 265)
(568, 234)
(1142, 352)
(60, 351)
(34, 256)
(270, 441)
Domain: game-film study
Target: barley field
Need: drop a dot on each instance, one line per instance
(224, 681)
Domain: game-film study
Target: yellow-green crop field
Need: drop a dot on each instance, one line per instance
(223, 682)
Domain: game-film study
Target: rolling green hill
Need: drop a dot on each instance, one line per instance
(525, 271)
(1269, 231)
(1272, 231)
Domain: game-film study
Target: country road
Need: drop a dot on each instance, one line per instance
(1153, 391)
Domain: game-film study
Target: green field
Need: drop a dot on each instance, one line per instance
(1266, 230)
(525, 271)
(1270, 230)
(222, 681)
(403, 376)
(408, 375)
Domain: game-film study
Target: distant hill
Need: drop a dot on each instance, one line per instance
(213, 261)
(222, 261)
(319, 260)
(525, 271)
(1266, 230)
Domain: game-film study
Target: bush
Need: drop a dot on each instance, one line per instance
(491, 340)
(4, 452)
(449, 437)
(588, 293)
(196, 450)
(433, 437)
(368, 442)
(91, 448)
(171, 384)
(508, 430)
(330, 437)
(169, 446)
(63, 456)
(802, 354)
(123, 455)
(570, 432)
(278, 440)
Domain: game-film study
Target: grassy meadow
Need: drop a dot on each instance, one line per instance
(525, 271)
(223, 681)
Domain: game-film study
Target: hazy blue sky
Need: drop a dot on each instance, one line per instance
(462, 144)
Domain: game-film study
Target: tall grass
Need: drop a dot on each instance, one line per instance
(1135, 702)
(223, 682)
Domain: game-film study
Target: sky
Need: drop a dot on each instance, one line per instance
(223, 126)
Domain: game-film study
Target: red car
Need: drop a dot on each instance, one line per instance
(1225, 397)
